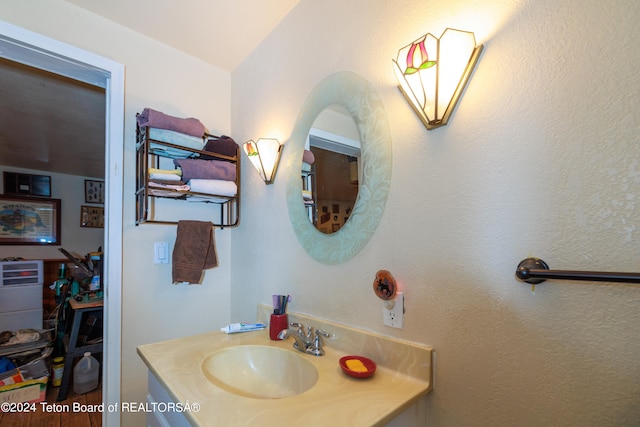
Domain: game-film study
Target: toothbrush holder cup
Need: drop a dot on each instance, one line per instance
(277, 323)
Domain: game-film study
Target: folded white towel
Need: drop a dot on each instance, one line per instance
(164, 177)
(216, 187)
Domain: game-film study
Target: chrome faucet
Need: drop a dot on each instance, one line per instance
(302, 342)
(305, 342)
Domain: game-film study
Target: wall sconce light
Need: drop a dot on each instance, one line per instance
(265, 156)
(432, 73)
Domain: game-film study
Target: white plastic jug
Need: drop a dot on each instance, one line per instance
(85, 374)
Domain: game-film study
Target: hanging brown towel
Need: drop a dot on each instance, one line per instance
(194, 251)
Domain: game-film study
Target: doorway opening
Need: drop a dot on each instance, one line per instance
(32, 49)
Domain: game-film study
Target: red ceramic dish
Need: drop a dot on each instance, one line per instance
(368, 363)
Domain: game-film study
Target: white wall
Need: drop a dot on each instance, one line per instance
(541, 158)
(167, 80)
(77, 240)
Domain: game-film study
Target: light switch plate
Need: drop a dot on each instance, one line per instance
(161, 253)
(393, 312)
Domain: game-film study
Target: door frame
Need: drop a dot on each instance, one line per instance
(29, 48)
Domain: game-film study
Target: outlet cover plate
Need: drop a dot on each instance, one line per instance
(393, 312)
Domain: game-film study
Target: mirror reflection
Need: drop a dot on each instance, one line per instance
(359, 97)
(331, 169)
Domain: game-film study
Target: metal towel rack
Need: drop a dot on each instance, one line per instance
(535, 270)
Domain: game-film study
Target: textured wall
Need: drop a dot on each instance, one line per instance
(541, 158)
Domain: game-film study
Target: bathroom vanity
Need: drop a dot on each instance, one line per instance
(192, 383)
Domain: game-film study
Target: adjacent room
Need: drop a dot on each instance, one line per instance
(52, 219)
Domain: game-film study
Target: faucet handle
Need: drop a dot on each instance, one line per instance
(317, 348)
(300, 327)
(322, 332)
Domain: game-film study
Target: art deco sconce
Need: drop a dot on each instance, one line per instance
(432, 73)
(265, 156)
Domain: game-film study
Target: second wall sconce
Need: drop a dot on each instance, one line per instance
(265, 156)
(432, 73)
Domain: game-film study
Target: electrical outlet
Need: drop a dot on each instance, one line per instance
(393, 312)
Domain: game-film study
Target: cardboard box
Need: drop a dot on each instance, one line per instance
(27, 391)
(11, 377)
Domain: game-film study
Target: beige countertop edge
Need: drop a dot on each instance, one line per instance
(371, 402)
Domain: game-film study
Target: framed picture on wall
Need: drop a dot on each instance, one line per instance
(29, 221)
(92, 216)
(93, 191)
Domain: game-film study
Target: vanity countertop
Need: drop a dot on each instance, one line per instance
(335, 399)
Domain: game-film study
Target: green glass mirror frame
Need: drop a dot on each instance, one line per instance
(359, 97)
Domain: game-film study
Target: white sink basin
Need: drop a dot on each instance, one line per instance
(260, 371)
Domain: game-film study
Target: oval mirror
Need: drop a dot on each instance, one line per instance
(360, 99)
(330, 169)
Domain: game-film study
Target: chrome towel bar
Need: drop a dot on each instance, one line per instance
(535, 270)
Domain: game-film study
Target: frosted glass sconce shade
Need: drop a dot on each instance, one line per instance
(265, 156)
(432, 73)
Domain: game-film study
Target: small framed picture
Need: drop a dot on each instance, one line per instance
(93, 191)
(92, 216)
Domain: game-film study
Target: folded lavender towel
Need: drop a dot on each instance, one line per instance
(156, 119)
(308, 157)
(224, 145)
(206, 169)
(194, 251)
